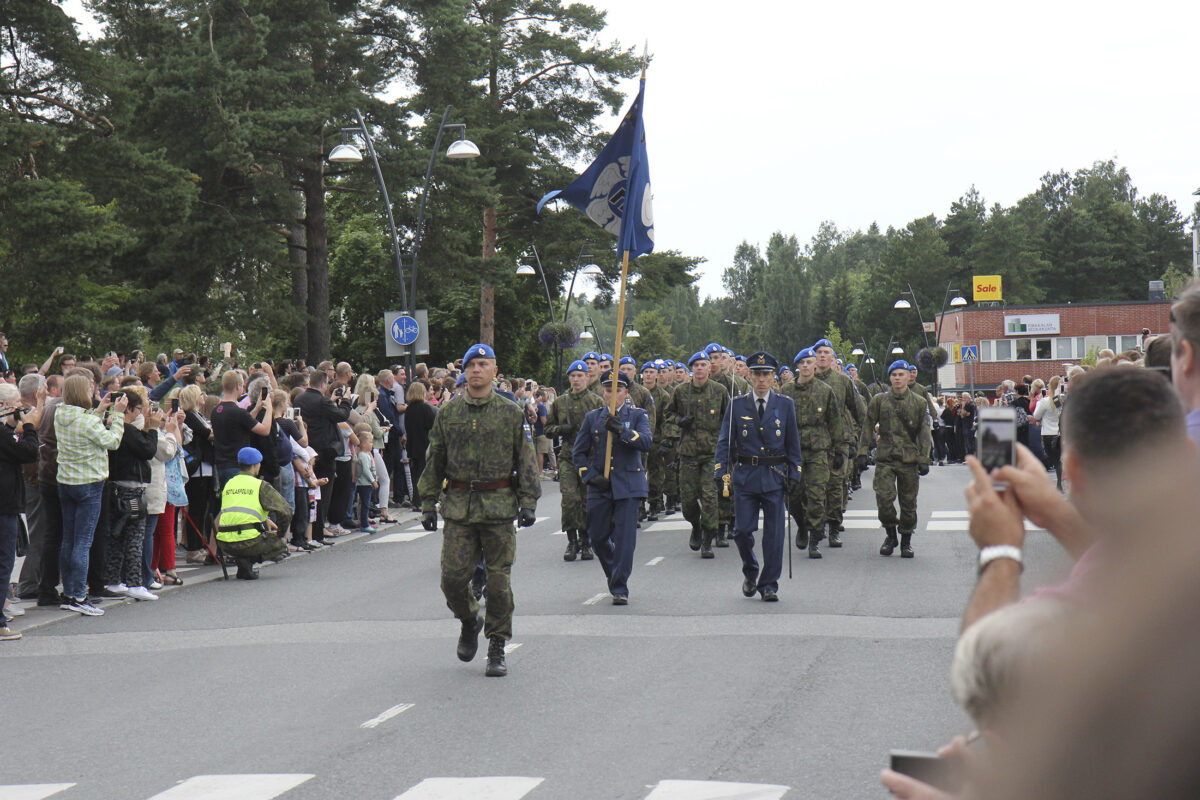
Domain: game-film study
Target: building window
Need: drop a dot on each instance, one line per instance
(1041, 349)
(1112, 344)
(1130, 343)
(1063, 349)
(985, 350)
(1004, 350)
(1024, 350)
(1080, 347)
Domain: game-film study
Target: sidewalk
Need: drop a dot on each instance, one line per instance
(39, 616)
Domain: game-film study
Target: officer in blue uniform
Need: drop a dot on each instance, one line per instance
(758, 452)
(612, 502)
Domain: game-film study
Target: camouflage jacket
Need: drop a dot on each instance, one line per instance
(903, 435)
(705, 407)
(818, 416)
(924, 394)
(662, 397)
(853, 406)
(566, 415)
(480, 440)
(640, 396)
(732, 383)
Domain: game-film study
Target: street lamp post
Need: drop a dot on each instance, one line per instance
(590, 269)
(748, 325)
(860, 349)
(904, 304)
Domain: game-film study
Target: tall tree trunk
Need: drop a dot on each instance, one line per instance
(297, 256)
(313, 180)
(487, 290)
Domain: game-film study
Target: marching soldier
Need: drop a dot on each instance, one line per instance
(915, 386)
(592, 359)
(666, 436)
(758, 454)
(853, 410)
(481, 453)
(696, 409)
(566, 415)
(655, 466)
(901, 457)
(819, 415)
(638, 395)
(723, 374)
(612, 502)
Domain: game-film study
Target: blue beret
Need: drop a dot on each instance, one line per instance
(699, 356)
(648, 365)
(628, 360)
(783, 369)
(577, 366)
(739, 358)
(728, 351)
(591, 355)
(912, 367)
(712, 347)
(606, 357)
(461, 380)
(805, 353)
(477, 351)
(248, 456)
(839, 362)
(899, 363)
(822, 343)
(622, 379)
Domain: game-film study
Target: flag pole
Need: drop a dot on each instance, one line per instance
(612, 403)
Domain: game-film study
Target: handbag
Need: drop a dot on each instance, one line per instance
(176, 478)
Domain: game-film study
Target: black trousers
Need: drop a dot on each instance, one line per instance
(52, 543)
(323, 468)
(343, 492)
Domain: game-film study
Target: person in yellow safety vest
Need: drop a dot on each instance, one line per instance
(244, 530)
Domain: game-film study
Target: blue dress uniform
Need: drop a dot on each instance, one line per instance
(759, 453)
(612, 509)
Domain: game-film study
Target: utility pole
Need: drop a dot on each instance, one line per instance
(487, 289)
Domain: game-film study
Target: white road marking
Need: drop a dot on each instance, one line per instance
(591, 601)
(861, 524)
(716, 790)
(860, 513)
(391, 538)
(952, 514)
(654, 561)
(508, 648)
(497, 788)
(668, 525)
(394, 711)
(233, 787)
(965, 524)
(32, 791)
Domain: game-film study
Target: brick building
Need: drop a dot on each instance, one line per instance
(1041, 341)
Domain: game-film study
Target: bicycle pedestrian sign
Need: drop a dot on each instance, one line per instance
(970, 353)
(405, 330)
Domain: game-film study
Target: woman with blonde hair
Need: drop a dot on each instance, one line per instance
(198, 458)
(367, 412)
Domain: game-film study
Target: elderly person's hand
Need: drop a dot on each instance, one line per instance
(995, 516)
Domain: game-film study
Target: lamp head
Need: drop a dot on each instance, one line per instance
(858, 351)
(897, 350)
(593, 269)
(958, 301)
(632, 333)
(902, 304)
(586, 335)
(525, 269)
(463, 148)
(345, 153)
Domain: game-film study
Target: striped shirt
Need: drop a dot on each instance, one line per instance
(83, 443)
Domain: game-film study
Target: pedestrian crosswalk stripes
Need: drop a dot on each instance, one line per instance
(861, 512)
(407, 536)
(861, 524)
(951, 514)
(499, 787)
(233, 787)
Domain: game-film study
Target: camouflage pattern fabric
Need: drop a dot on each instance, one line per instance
(462, 546)
(566, 415)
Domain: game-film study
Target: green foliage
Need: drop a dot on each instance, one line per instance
(841, 345)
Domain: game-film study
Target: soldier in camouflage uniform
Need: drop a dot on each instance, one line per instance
(853, 411)
(481, 453)
(901, 458)
(819, 417)
(917, 388)
(666, 436)
(638, 395)
(603, 365)
(722, 373)
(566, 415)
(696, 409)
(592, 359)
(655, 466)
(865, 394)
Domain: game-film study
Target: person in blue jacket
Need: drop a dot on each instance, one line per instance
(758, 453)
(612, 502)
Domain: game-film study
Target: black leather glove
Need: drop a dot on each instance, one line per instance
(613, 424)
(923, 469)
(526, 518)
(684, 423)
(861, 463)
(600, 482)
(429, 520)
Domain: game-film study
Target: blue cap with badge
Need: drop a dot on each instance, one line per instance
(622, 379)
(606, 357)
(249, 455)
(628, 360)
(577, 366)
(697, 356)
(591, 355)
(477, 351)
(898, 364)
(762, 361)
(822, 343)
(807, 352)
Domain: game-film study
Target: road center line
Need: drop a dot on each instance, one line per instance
(654, 561)
(508, 648)
(591, 601)
(394, 711)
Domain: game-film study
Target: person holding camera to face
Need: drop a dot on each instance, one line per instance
(233, 425)
(128, 478)
(322, 415)
(18, 446)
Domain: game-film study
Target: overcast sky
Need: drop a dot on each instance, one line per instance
(765, 116)
(773, 115)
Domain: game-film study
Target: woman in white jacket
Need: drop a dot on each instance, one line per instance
(158, 548)
(1047, 413)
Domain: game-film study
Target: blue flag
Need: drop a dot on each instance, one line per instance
(615, 190)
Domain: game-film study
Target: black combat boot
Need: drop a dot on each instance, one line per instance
(801, 537)
(585, 547)
(835, 535)
(906, 550)
(814, 542)
(496, 668)
(706, 545)
(642, 512)
(694, 541)
(468, 638)
(889, 544)
(723, 534)
(572, 545)
(246, 571)
(655, 507)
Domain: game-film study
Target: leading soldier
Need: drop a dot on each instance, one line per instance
(901, 457)
(853, 410)
(758, 454)
(481, 454)
(566, 415)
(819, 417)
(696, 409)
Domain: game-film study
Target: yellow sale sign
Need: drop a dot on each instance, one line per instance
(987, 287)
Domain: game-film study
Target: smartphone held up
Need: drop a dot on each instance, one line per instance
(996, 444)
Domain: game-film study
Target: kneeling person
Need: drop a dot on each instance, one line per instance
(612, 502)
(243, 529)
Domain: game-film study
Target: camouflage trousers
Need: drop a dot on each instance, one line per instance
(806, 499)
(574, 496)
(260, 548)
(698, 492)
(462, 545)
(894, 481)
(656, 474)
(836, 491)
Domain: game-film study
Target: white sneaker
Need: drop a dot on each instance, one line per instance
(14, 610)
(119, 588)
(155, 585)
(141, 593)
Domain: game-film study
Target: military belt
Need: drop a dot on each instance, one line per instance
(480, 486)
(755, 461)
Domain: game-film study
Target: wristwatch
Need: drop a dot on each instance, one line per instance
(989, 554)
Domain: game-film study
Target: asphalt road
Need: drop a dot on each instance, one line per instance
(334, 676)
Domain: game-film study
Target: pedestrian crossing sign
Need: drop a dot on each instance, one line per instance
(970, 352)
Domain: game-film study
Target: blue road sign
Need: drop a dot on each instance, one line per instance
(405, 330)
(970, 352)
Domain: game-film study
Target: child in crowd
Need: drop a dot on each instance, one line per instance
(367, 479)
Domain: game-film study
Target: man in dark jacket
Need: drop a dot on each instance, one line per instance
(18, 446)
(322, 415)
